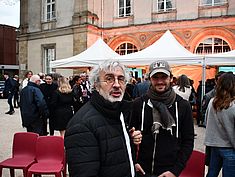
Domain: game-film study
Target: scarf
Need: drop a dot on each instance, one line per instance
(113, 110)
(161, 115)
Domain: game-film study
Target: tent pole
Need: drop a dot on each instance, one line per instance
(203, 77)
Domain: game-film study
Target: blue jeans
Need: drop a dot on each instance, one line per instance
(222, 158)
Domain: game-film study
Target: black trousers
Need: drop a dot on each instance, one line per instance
(9, 101)
(36, 126)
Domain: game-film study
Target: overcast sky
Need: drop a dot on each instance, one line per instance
(10, 13)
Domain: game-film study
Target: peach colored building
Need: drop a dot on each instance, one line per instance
(56, 29)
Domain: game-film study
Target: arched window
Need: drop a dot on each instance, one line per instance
(126, 48)
(212, 45)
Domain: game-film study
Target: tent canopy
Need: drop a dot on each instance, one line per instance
(92, 56)
(226, 58)
(166, 48)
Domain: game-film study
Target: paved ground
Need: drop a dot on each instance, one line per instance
(12, 123)
(9, 125)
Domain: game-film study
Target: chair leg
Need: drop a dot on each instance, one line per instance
(12, 172)
(64, 171)
(25, 170)
(29, 174)
(65, 165)
(0, 171)
(58, 174)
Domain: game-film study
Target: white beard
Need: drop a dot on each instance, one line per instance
(109, 97)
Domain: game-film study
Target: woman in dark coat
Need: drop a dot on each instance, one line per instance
(48, 88)
(61, 102)
(77, 93)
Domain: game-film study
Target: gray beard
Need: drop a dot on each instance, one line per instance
(109, 97)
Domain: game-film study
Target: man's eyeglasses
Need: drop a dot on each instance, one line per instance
(110, 79)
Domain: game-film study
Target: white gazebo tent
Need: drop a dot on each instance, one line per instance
(166, 48)
(92, 56)
(226, 58)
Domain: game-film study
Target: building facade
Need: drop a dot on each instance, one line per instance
(56, 29)
(8, 51)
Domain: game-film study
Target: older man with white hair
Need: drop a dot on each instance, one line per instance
(96, 140)
(33, 106)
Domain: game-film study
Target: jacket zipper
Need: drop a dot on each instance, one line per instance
(154, 152)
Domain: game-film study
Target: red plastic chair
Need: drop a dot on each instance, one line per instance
(195, 166)
(23, 153)
(50, 157)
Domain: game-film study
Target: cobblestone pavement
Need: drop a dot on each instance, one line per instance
(12, 123)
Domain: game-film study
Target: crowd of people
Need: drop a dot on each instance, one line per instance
(44, 98)
(117, 125)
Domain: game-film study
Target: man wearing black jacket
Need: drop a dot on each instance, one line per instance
(33, 106)
(96, 139)
(165, 120)
(9, 91)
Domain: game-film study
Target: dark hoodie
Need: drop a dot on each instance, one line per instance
(172, 150)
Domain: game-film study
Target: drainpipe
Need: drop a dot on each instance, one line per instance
(102, 18)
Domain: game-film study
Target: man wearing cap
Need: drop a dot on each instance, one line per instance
(165, 120)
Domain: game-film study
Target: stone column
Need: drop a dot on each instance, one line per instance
(83, 14)
(23, 16)
(23, 57)
(79, 40)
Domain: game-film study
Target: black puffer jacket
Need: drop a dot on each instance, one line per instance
(172, 151)
(94, 140)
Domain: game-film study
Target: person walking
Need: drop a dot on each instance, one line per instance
(165, 120)
(33, 106)
(96, 139)
(8, 92)
(62, 102)
(220, 131)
